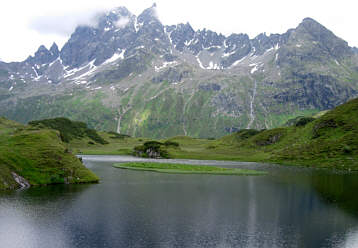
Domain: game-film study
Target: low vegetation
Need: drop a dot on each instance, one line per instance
(69, 130)
(37, 155)
(151, 149)
(328, 140)
(186, 169)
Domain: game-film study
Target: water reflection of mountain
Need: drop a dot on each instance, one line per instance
(338, 189)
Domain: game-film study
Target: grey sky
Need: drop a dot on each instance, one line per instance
(25, 25)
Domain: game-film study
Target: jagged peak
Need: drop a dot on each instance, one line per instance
(311, 25)
(120, 11)
(309, 20)
(261, 36)
(149, 13)
(42, 48)
(54, 47)
(185, 26)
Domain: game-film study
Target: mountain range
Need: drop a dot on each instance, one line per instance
(134, 75)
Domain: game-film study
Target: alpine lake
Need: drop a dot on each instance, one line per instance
(287, 207)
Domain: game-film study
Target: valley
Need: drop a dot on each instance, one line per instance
(137, 132)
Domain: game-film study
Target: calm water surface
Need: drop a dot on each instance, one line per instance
(290, 207)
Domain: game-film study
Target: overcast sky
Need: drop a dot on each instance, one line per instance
(25, 25)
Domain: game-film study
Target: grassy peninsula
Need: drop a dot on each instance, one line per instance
(37, 156)
(186, 169)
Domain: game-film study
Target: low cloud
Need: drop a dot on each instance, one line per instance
(64, 24)
(122, 22)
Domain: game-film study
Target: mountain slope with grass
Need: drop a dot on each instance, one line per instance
(36, 156)
(328, 141)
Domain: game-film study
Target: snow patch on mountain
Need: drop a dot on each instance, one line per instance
(115, 57)
(199, 62)
(165, 65)
(228, 54)
(239, 61)
(253, 69)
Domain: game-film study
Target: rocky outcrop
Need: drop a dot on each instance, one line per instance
(171, 75)
(318, 91)
(22, 182)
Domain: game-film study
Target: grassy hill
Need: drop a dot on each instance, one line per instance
(39, 156)
(328, 140)
(69, 130)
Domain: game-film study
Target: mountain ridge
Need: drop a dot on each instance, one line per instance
(135, 69)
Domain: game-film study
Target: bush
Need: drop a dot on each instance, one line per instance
(304, 121)
(151, 149)
(322, 126)
(118, 135)
(269, 137)
(94, 136)
(171, 143)
(246, 133)
(347, 149)
(69, 130)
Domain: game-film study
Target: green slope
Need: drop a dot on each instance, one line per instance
(39, 156)
(69, 130)
(331, 140)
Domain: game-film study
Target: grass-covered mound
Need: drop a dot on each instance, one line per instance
(70, 130)
(328, 141)
(186, 169)
(39, 156)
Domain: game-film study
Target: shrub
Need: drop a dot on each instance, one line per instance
(151, 149)
(246, 133)
(69, 129)
(304, 121)
(347, 149)
(171, 143)
(118, 135)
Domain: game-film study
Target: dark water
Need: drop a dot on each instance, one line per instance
(290, 207)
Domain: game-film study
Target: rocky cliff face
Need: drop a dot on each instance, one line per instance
(135, 75)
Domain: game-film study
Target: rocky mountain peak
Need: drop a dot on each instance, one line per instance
(41, 49)
(121, 11)
(54, 49)
(149, 15)
(115, 19)
(43, 55)
(312, 31)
